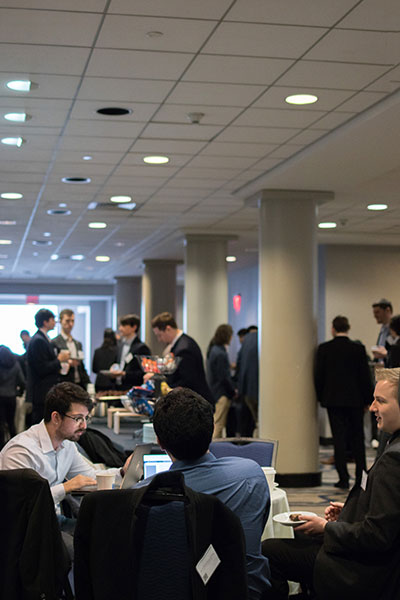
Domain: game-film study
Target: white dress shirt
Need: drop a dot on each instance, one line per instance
(33, 449)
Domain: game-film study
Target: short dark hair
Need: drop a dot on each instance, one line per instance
(7, 358)
(162, 321)
(109, 338)
(66, 312)
(42, 315)
(60, 397)
(184, 423)
(383, 303)
(341, 324)
(24, 332)
(395, 324)
(242, 332)
(131, 320)
(252, 328)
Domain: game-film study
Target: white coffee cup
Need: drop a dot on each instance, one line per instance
(269, 473)
(105, 480)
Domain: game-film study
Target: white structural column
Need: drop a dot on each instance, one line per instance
(158, 295)
(287, 334)
(206, 286)
(128, 294)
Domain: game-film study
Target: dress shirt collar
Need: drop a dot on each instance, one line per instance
(208, 457)
(44, 439)
(44, 331)
(67, 338)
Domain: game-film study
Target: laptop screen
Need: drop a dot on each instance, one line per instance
(155, 463)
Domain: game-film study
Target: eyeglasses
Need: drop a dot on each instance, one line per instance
(79, 420)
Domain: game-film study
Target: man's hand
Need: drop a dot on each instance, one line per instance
(332, 511)
(116, 373)
(126, 465)
(73, 362)
(147, 377)
(380, 352)
(314, 526)
(78, 482)
(63, 355)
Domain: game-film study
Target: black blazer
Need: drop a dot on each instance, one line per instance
(103, 358)
(342, 376)
(120, 536)
(60, 344)
(134, 373)
(360, 556)
(190, 372)
(43, 368)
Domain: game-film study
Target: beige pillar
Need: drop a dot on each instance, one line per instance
(287, 334)
(128, 294)
(206, 286)
(159, 295)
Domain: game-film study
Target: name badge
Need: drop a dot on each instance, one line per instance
(364, 479)
(81, 356)
(128, 358)
(207, 564)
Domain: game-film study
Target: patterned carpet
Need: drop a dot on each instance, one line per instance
(317, 498)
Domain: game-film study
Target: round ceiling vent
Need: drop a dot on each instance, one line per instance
(58, 211)
(42, 242)
(75, 180)
(114, 111)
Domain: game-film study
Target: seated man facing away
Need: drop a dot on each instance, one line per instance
(48, 447)
(355, 551)
(183, 422)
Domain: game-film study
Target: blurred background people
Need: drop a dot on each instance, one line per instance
(12, 381)
(130, 372)
(103, 358)
(219, 376)
(64, 341)
(247, 381)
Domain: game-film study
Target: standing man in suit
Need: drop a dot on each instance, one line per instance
(44, 363)
(343, 385)
(76, 372)
(354, 552)
(130, 372)
(190, 372)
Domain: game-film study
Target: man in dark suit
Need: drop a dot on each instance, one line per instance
(343, 385)
(76, 372)
(354, 553)
(190, 372)
(130, 372)
(44, 363)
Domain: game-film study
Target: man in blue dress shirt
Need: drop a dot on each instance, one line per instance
(183, 422)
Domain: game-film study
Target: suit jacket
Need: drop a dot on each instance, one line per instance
(43, 368)
(342, 376)
(393, 357)
(134, 373)
(103, 358)
(97, 539)
(190, 372)
(219, 373)
(360, 556)
(247, 366)
(60, 343)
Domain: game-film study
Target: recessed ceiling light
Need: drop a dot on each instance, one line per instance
(120, 199)
(17, 117)
(8, 222)
(42, 243)
(231, 259)
(301, 99)
(87, 157)
(2, 256)
(54, 257)
(114, 111)
(97, 225)
(62, 205)
(47, 234)
(58, 211)
(119, 244)
(77, 257)
(5, 242)
(102, 258)
(35, 253)
(2, 267)
(327, 225)
(156, 160)
(129, 206)
(377, 206)
(11, 196)
(20, 85)
(13, 141)
(76, 180)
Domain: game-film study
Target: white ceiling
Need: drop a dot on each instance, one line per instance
(233, 60)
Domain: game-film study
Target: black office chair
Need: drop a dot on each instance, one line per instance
(262, 451)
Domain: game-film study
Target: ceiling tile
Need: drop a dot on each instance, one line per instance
(275, 96)
(172, 8)
(231, 69)
(164, 146)
(123, 90)
(268, 117)
(48, 27)
(138, 64)
(297, 12)
(370, 14)
(104, 128)
(214, 94)
(136, 158)
(331, 75)
(85, 109)
(217, 148)
(250, 39)
(333, 119)
(361, 101)
(183, 132)
(370, 47)
(263, 135)
(27, 60)
(213, 115)
(216, 162)
(179, 35)
(88, 144)
(73, 5)
(48, 87)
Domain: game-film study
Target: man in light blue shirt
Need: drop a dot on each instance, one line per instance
(183, 422)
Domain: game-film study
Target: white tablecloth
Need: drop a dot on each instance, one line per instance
(279, 504)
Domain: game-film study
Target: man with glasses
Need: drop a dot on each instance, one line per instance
(48, 447)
